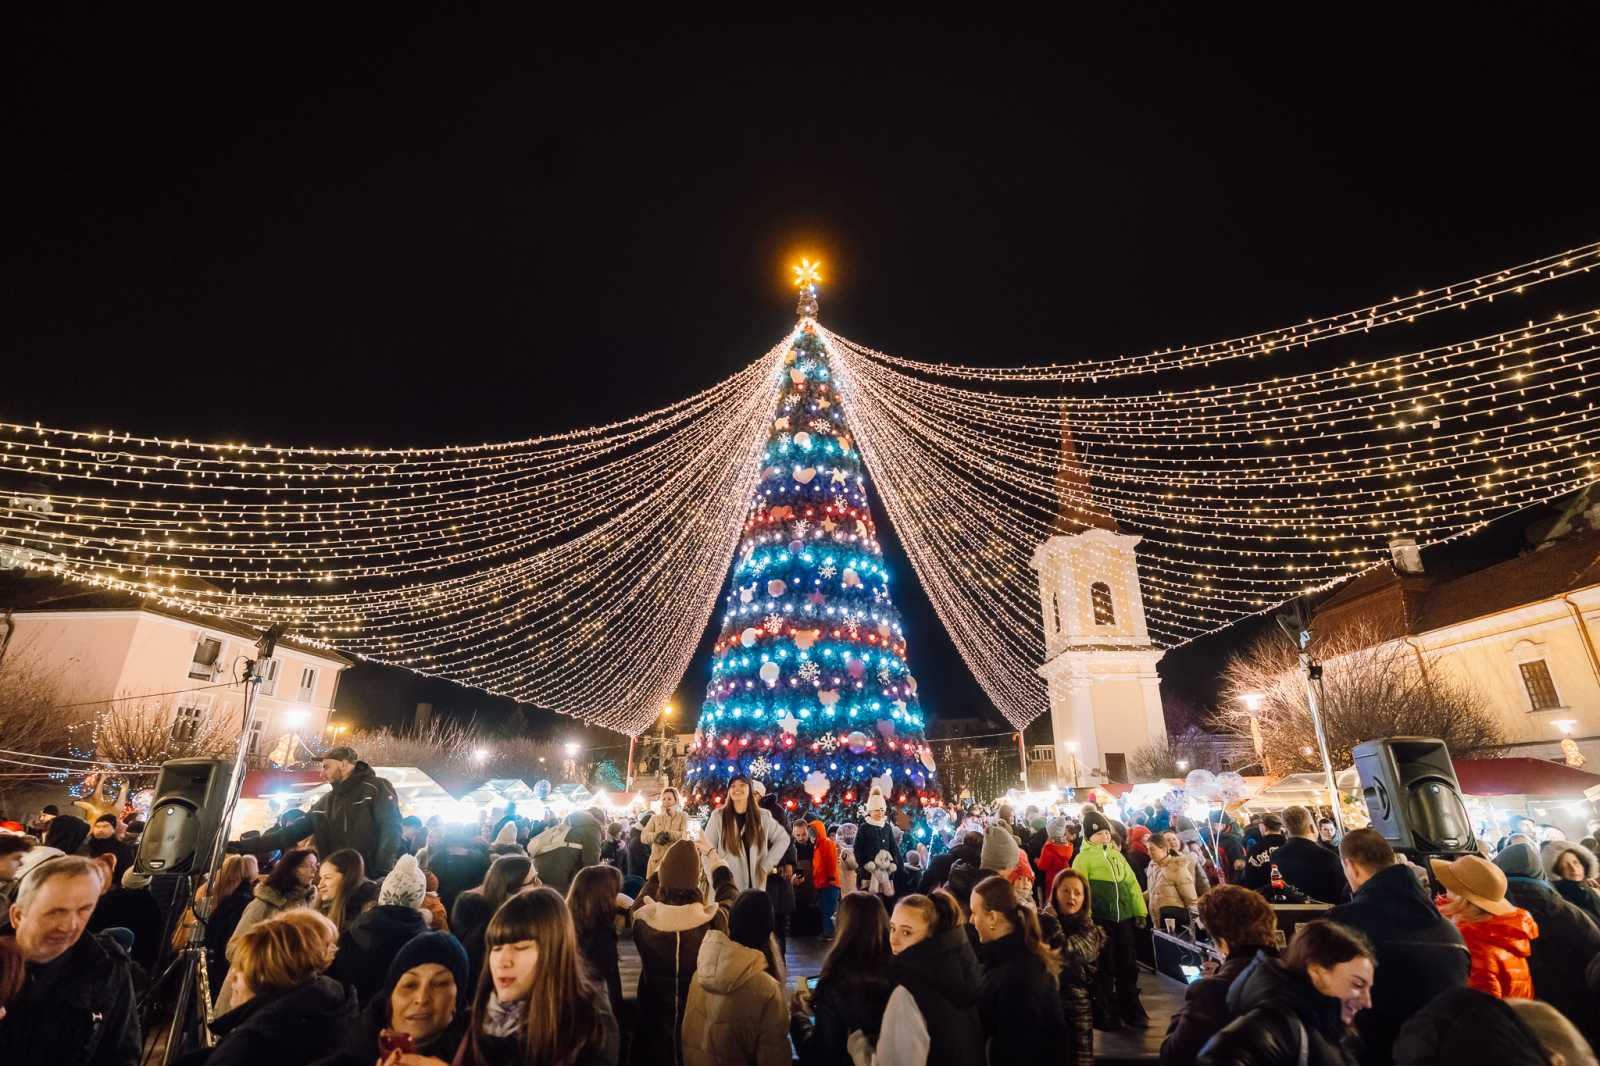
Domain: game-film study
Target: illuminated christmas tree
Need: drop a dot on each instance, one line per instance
(810, 690)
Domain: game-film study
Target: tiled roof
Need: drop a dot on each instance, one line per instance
(1392, 604)
(23, 591)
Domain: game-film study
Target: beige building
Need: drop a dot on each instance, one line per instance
(1100, 666)
(103, 648)
(1524, 633)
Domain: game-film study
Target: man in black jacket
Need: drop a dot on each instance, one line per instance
(361, 812)
(76, 1005)
(1306, 864)
(1420, 953)
(1258, 863)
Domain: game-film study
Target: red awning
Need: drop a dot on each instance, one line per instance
(262, 783)
(1522, 777)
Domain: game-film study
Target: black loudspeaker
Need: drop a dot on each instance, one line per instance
(182, 829)
(1412, 794)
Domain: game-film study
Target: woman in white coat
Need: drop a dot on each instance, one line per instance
(748, 838)
(664, 829)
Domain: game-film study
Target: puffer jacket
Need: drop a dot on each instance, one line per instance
(1019, 1003)
(1464, 1025)
(1114, 894)
(362, 813)
(1568, 944)
(674, 825)
(1171, 883)
(668, 937)
(1500, 945)
(558, 866)
(1053, 858)
(1277, 1015)
(824, 857)
(735, 1015)
(1205, 1007)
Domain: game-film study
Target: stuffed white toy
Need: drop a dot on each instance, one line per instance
(882, 869)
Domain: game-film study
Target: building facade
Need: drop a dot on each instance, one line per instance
(104, 650)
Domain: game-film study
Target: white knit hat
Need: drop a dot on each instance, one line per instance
(405, 886)
(875, 802)
(507, 834)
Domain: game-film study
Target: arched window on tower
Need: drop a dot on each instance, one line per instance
(1100, 598)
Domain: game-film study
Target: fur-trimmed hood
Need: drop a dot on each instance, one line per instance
(1552, 851)
(675, 918)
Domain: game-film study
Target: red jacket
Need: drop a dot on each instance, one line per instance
(1500, 945)
(1053, 858)
(824, 857)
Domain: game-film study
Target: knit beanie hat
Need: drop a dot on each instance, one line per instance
(1056, 828)
(439, 948)
(751, 921)
(680, 868)
(405, 886)
(875, 802)
(507, 834)
(1093, 822)
(999, 850)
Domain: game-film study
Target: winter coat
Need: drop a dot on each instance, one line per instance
(668, 937)
(1114, 894)
(1311, 868)
(1420, 954)
(469, 921)
(266, 901)
(1205, 1008)
(1019, 1003)
(219, 930)
(674, 825)
(1277, 1015)
(1567, 945)
(735, 1014)
(941, 975)
(1467, 1026)
(780, 890)
(599, 950)
(1053, 858)
(1172, 883)
(361, 812)
(1080, 961)
(280, 1027)
(871, 839)
(459, 867)
(772, 842)
(1500, 945)
(841, 1005)
(939, 867)
(1258, 863)
(558, 866)
(369, 943)
(136, 910)
(77, 1010)
(824, 857)
(1578, 893)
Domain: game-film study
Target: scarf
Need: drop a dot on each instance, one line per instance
(504, 1019)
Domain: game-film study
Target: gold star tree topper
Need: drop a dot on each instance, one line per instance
(807, 275)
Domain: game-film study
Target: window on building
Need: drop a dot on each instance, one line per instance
(186, 722)
(1116, 766)
(267, 670)
(1541, 688)
(206, 652)
(308, 684)
(255, 738)
(1100, 598)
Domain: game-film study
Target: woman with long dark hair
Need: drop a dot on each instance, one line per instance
(1018, 999)
(1297, 1010)
(747, 837)
(469, 918)
(592, 900)
(536, 1005)
(852, 989)
(339, 880)
(1069, 927)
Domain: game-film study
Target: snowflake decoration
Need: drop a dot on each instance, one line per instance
(760, 767)
(801, 528)
(790, 402)
(852, 622)
(821, 425)
(885, 675)
(880, 594)
(828, 742)
(807, 365)
(809, 671)
(827, 570)
(773, 623)
(784, 440)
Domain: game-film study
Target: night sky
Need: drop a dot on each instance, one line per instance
(434, 229)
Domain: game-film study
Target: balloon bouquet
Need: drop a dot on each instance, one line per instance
(1226, 789)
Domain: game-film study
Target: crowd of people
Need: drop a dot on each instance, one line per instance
(350, 935)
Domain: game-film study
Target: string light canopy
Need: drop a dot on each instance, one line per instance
(579, 570)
